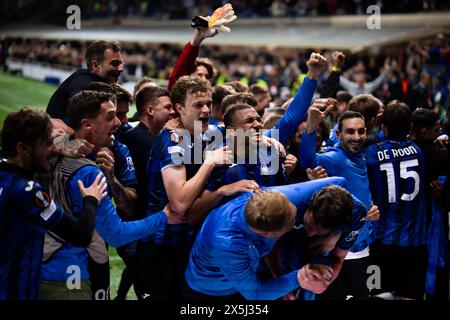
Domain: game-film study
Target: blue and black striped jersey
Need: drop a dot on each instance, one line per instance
(172, 149)
(26, 213)
(123, 165)
(396, 172)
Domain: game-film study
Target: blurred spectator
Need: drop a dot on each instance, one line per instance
(280, 71)
(419, 95)
(186, 9)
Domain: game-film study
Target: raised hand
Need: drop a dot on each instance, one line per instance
(217, 21)
(316, 116)
(316, 65)
(338, 59)
(222, 16)
(201, 34)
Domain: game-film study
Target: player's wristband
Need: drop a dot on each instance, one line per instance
(336, 69)
(310, 76)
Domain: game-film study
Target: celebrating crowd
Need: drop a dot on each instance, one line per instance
(222, 192)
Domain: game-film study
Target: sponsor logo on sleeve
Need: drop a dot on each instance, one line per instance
(43, 201)
(48, 212)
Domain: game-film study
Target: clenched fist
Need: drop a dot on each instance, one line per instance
(316, 65)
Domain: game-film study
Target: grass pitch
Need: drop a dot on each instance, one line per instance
(17, 92)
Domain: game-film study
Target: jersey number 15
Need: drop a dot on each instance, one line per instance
(404, 174)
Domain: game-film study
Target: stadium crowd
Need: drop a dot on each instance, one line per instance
(221, 187)
(281, 70)
(172, 10)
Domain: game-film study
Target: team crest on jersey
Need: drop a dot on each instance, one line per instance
(42, 199)
(352, 236)
(130, 163)
(48, 211)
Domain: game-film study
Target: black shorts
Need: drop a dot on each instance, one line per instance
(189, 294)
(403, 269)
(159, 270)
(351, 283)
(99, 277)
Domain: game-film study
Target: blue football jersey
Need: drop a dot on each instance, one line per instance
(123, 165)
(396, 172)
(26, 213)
(173, 149)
